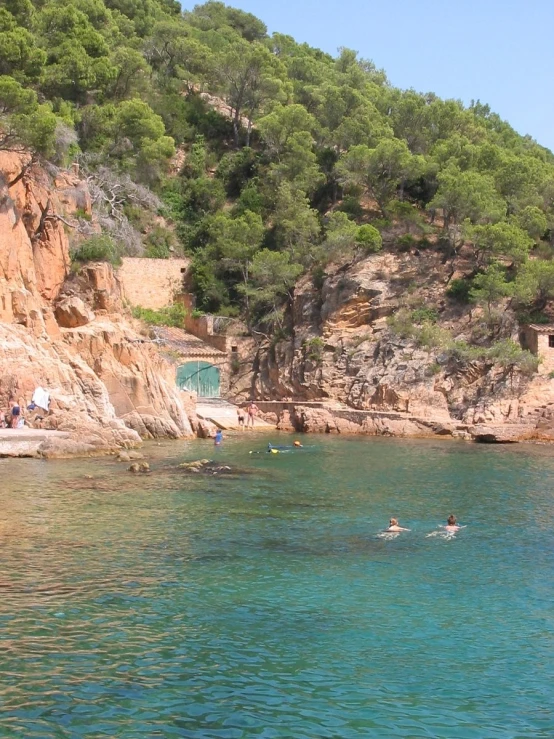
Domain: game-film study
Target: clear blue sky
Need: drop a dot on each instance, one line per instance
(497, 51)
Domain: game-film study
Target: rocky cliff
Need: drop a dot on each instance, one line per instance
(342, 351)
(68, 332)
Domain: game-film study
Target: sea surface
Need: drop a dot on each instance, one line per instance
(269, 604)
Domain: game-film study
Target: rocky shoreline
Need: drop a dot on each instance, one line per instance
(67, 329)
(70, 331)
(48, 444)
(320, 419)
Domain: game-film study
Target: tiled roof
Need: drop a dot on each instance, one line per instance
(542, 328)
(184, 343)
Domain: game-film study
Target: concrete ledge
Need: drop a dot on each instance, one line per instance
(25, 442)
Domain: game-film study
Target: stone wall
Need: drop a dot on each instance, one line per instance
(546, 353)
(529, 340)
(537, 342)
(151, 283)
(203, 328)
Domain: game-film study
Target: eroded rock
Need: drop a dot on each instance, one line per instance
(97, 372)
(71, 312)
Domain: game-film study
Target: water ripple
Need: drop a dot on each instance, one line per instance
(267, 605)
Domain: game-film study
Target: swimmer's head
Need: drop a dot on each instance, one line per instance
(297, 443)
(393, 522)
(451, 520)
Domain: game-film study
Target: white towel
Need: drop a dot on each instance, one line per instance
(41, 398)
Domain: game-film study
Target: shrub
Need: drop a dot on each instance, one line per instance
(406, 242)
(509, 354)
(369, 239)
(82, 213)
(459, 290)
(229, 311)
(532, 317)
(351, 205)
(313, 349)
(171, 315)
(160, 243)
(401, 323)
(318, 277)
(100, 248)
(381, 224)
(430, 336)
(505, 352)
(425, 315)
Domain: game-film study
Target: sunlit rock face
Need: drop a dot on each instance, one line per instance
(69, 333)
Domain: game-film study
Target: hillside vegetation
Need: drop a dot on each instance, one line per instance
(269, 158)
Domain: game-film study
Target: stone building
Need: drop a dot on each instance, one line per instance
(539, 340)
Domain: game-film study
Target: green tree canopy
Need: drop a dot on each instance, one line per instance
(382, 171)
(467, 195)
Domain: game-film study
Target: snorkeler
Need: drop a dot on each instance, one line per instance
(451, 524)
(393, 526)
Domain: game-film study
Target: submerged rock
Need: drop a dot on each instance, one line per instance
(207, 466)
(138, 467)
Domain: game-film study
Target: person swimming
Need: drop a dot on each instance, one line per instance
(393, 526)
(451, 524)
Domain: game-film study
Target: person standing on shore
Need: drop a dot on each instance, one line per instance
(15, 412)
(251, 414)
(240, 417)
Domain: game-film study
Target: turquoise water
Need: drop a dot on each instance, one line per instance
(266, 604)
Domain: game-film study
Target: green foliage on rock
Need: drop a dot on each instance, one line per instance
(287, 158)
(369, 239)
(490, 286)
(459, 290)
(99, 248)
(172, 315)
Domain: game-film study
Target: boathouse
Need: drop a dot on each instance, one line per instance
(539, 340)
(199, 367)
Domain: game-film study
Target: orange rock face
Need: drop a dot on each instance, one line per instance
(68, 333)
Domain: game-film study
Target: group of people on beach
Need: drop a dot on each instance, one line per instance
(247, 414)
(27, 413)
(451, 525)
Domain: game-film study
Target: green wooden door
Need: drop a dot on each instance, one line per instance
(200, 377)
